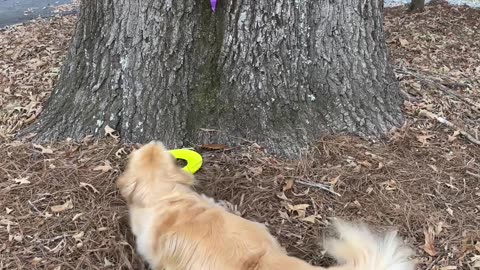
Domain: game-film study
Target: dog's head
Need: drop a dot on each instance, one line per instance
(151, 170)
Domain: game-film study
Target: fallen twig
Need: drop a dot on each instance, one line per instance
(444, 121)
(474, 174)
(432, 80)
(318, 185)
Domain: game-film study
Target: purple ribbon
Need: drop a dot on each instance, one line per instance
(213, 4)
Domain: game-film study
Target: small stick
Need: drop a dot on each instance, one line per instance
(444, 121)
(318, 185)
(473, 174)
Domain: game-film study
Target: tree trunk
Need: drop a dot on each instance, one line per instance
(280, 73)
(417, 6)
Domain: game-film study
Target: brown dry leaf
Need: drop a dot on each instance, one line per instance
(120, 152)
(87, 185)
(429, 246)
(389, 185)
(380, 165)
(449, 210)
(104, 168)
(300, 209)
(365, 163)
(424, 139)
(454, 136)
(45, 150)
(297, 207)
(256, 170)
(403, 42)
(77, 216)
(310, 219)
(284, 215)
(477, 247)
(62, 207)
(288, 185)
(22, 181)
(213, 146)
(282, 196)
(109, 132)
(78, 236)
(334, 181)
(36, 261)
(107, 263)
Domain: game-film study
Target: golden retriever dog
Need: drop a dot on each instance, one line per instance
(178, 229)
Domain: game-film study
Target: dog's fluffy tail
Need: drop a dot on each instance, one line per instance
(357, 248)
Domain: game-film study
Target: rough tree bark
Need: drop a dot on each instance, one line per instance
(417, 5)
(278, 72)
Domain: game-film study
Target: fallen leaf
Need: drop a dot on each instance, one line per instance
(18, 237)
(300, 209)
(389, 185)
(429, 246)
(454, 136)
(449, 210)
(109, 132)
(77, 216)
(424, 139)
(439, 228)
(78, 236)
(36, 261)
(120, 152)
(87, 185)
(288, 185)
(297, 207)
(380, 165)
(256, 170)
(107, 263)
(45, 150)
(310, 219)
(282, 196)
(365, 163)
(104, 168)
(284, 215)
(403, 42)
(451, 267)
(22, 181)
(334, 181)
(62, 207)
(8, 210)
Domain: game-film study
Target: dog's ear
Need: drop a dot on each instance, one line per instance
(178, 175)
(127, 184)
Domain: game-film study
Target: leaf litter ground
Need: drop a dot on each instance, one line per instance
(60, 208)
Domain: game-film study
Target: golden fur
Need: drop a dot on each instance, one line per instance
(179, 229)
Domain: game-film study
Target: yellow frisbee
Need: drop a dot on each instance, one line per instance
(194, 160)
